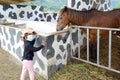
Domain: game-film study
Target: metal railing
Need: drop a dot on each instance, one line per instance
(108, 67)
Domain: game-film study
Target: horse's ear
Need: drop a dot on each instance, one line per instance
(65, 8)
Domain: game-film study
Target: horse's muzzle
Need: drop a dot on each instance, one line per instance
(59, 29)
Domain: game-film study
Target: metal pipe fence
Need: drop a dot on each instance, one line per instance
(108, 67)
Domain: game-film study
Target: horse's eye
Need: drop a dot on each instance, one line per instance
(59, 18)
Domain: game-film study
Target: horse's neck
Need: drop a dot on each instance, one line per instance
(79, 17)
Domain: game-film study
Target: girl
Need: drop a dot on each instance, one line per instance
(29, 36)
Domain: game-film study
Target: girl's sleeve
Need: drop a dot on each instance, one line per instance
(34, 49)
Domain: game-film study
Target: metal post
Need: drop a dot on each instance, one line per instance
(109, 50)
(98, 46)
(87, 44)
(78, 42)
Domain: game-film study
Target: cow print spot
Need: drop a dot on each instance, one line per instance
(12, 15)
(49, 18)
(33, 7)
(1, 16)
(73, 3)
(29, 14)
(6, 7)
(20, 6)
(22, 14)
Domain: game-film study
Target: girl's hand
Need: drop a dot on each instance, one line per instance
(43, 43)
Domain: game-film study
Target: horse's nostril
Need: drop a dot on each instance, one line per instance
(56, 29)
(59, 28)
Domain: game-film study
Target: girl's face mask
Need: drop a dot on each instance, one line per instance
(30, 37)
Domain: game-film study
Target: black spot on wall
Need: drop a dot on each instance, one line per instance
(73, 3)
(55, 15)
(68, 48)
(59, 66)
(12, 33)
(13, 50)
(101, 9)
(1, 31)
(45, 14)
(41, 8)
(9, 47)
(29, 14)
(4, 44)
(33, 7)
(78, 4)
(1, 16)
(6, 7)
(40, 15)
(12, 41)
(91, 2)
(21, 14)
(89, 8)
(18, 36)
(36, 19)
(36, 12)
(39, 40)
(59, 37)
(21, 6)
(105, 7)
(86, 2)
(5, 33)
(49, 18)
(61, 47)
(84, 9)
(50, 53)
(12, 15)
(102, 1)
(50, 40)
(50, 50)
(58, 57)
(68, 54)
(39, 61)
(94, 5)
(42, 20)
(19, 52)
(64, 39)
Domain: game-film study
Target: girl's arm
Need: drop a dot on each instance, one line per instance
(34, 49)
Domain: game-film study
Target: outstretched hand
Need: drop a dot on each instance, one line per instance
(43, 43)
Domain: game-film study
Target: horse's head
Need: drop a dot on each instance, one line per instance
(62, 21)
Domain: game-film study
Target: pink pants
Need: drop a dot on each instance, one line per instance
(27, 67)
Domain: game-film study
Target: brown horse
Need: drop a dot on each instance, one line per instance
(93, 17)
